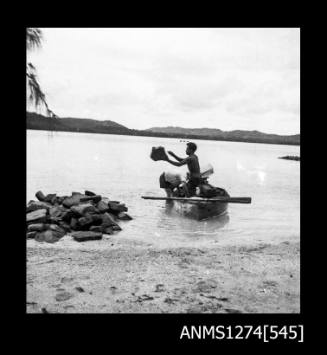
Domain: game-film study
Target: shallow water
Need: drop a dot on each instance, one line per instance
(120, 168)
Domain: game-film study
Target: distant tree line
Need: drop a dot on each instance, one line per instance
(39, 122)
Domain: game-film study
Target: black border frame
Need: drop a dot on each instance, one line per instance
(166, 328)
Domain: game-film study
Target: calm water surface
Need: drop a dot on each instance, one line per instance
(120, 168)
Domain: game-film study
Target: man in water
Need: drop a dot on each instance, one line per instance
(193, 167)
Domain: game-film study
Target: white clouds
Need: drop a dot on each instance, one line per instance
(221, 78)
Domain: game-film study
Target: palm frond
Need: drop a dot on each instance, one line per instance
(35, 94)
(33, 38)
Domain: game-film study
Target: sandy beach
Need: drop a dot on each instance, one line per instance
(131, 277)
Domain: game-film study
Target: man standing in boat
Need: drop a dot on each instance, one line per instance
(192, 162)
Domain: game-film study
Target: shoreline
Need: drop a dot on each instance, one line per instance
(199, 138)
(135, 278)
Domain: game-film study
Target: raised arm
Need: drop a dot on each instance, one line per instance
(175, 156)
(180, 163)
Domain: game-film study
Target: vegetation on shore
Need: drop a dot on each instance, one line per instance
(39, 122)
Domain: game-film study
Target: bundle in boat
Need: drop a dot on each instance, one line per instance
(158, 153)
(206, 171)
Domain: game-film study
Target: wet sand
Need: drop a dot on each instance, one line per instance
(135, 278)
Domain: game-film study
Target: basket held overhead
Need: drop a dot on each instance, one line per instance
(158, 153)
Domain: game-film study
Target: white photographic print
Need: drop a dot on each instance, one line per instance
(163, 170)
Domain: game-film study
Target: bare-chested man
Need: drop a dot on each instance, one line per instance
(192, 164)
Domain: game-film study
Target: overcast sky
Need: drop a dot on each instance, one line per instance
(218, 78)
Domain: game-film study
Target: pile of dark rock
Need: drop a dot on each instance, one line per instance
(85, 216)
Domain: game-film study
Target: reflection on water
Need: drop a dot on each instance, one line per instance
(217, 221)
(170, 219)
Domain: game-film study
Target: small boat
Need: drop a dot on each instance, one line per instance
(196, 207)
(199, 208)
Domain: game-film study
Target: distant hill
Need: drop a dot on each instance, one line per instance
(40, 122)
(237, 135)
(68, 124)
